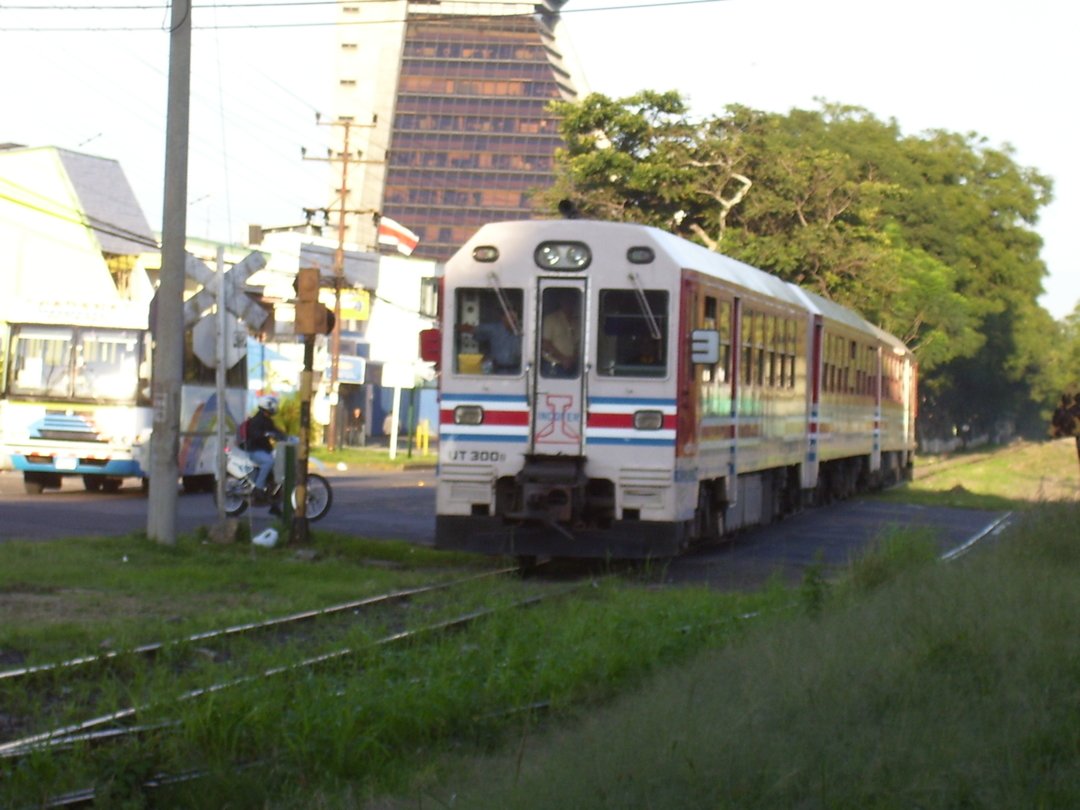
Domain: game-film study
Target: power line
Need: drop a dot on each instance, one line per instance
(87, 221)
(452, 18)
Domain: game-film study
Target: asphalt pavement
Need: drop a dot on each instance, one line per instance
(400, 505)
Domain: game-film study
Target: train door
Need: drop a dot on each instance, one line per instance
(559, 371)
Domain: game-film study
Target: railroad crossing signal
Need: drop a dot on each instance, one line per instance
(236, 301)
(204, 339)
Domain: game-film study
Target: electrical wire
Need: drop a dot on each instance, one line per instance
(318, 24)
(87, 221)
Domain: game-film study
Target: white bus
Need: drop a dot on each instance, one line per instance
(74, 392)
(75, 398)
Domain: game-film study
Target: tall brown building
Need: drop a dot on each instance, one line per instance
(446, 104)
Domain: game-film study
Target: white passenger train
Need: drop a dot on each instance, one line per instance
(612, 390)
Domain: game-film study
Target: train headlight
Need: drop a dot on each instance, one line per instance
(563, 256)
(485, 253)
(468, 415)
(547, 256)
(648, 420)
(577, 255)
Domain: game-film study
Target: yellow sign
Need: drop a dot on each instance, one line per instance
(356, 306)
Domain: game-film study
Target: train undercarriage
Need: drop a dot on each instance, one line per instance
(552, 508)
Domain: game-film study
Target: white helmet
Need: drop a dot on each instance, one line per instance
(268, 403)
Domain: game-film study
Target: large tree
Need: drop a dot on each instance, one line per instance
(931, 236)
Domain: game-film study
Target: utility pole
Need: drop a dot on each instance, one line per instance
(346, 159)
(168, 328)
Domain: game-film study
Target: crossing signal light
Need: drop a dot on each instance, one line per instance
(312, 316)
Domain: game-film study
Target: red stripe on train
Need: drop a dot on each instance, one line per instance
(519, 418)
(622, 420)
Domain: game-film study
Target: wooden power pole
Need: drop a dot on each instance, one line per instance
(346, 159)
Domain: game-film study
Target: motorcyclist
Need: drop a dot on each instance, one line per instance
(262, 432)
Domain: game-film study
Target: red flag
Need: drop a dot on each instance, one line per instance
(395, 234)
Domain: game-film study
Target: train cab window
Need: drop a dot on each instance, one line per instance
(560, 332)
(487, 331)
(632, 333)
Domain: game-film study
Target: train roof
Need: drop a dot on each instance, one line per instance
(686, 255)
(622, 235)
(692, 256)
(832, 310)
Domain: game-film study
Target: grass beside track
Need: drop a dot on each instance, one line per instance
(940, 685)
(906, 683)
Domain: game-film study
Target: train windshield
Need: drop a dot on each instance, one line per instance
(487, 332)
(560, 332)
(632, 333)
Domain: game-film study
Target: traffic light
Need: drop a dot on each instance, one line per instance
(312, 317)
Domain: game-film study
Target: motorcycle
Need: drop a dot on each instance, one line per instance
(240, 475)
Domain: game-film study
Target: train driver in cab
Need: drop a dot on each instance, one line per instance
(560, 335)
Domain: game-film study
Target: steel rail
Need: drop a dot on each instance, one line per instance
(993, 528)
(234, 630)
(65, 735)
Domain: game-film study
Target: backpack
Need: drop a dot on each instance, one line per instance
(242, 434)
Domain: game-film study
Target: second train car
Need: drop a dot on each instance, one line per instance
(613, 390)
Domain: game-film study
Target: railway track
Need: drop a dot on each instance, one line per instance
(140, 721)
(52, 685)
(224, 667)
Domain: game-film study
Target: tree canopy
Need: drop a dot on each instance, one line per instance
(929, 236)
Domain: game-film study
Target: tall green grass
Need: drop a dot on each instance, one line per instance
(1011, 477)
(905, 682)
(943, 685)
(376, 721)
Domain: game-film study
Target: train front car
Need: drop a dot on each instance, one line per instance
(558, 394)
(612, 390)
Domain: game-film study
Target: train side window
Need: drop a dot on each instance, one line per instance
(724, 327)
(487, 331)
(709, 315)
(632, 333)
(746, 340)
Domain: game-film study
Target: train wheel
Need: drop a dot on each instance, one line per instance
(708, 525)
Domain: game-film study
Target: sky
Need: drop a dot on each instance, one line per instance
(1006, 71)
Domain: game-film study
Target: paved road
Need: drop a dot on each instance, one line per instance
(837, 532)
(401, 505)
(392, 505)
